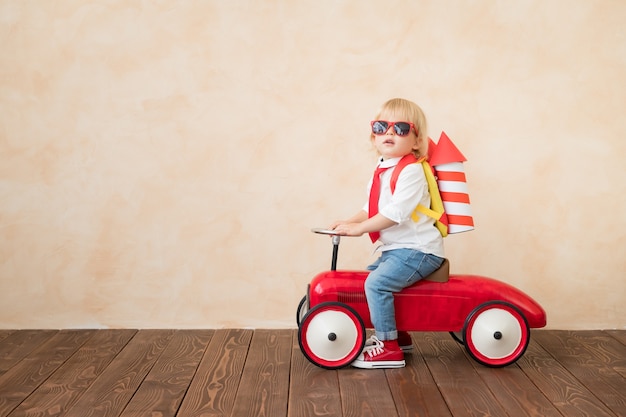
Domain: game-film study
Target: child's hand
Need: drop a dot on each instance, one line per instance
(349, 229)
(334, 225)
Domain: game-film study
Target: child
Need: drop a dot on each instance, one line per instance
(410, 250)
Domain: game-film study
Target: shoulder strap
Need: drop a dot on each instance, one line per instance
(406, 160)
(436, 209)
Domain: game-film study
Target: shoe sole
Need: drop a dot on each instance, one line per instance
(406, 348)
(378, 364)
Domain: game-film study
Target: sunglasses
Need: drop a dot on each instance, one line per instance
(380, 127)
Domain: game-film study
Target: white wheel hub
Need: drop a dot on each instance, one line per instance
(496, 333)
(331, 335)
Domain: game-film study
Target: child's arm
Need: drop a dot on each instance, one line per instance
(360, 224)
(357, 218)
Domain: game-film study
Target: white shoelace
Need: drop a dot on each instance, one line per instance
(374, 346)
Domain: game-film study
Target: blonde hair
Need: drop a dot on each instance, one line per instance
(409, 112)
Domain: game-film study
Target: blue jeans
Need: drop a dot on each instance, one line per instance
(394, 270)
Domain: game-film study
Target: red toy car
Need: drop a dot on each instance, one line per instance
(493, 318)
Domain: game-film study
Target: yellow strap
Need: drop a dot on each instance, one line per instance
(436, 204)
(426, 211)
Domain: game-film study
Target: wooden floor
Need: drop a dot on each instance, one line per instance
(263, 373)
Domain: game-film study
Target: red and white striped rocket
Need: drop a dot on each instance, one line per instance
(447, 161)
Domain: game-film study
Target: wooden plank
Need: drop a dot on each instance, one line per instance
(461, 386)
(619, 335)
(22, 379)
(5, 333)
(265, 380)
(560, 387)
(515, 391)
(589, 356)
(59, 392)
(413, 388)
(17, 345)
(113, 389)
(313, 391)
(213, 389)
(165, 386)
(365, 393)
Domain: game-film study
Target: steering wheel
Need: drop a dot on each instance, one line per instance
(323, 231)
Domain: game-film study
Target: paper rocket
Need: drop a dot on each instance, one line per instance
(447, 162)
(431, 148)
(444, 152)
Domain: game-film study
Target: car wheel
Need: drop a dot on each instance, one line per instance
(331, 335)
(303, 307)
(496, 334)
(457, 337)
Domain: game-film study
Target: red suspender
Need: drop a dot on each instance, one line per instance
(406, 160)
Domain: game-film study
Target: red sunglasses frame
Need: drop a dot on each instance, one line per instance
(391, 125)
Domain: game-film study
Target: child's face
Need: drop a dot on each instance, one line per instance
(390, 145)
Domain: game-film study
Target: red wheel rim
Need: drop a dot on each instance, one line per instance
(496, 334)
(331, 335)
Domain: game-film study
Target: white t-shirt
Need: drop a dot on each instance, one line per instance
(411, 190)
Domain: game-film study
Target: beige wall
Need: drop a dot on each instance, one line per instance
(162, 162)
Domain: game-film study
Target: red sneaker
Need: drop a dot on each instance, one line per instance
(380, 354)
(404, 340)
